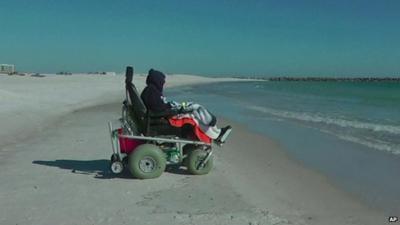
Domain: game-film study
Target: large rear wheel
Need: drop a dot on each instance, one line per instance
(147, 161)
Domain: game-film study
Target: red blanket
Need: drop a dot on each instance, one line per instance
(179, 122)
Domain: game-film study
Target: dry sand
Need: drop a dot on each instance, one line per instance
(59, 174)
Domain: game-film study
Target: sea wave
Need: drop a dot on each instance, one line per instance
(302, 116)
(374, 144)
(370, 142)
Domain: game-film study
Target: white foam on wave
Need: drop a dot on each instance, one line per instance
(394, 149)
(374, 144)
(329, 120)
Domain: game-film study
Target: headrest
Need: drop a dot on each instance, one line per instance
(128, 74)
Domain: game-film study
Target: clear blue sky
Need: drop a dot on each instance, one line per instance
(325, 37)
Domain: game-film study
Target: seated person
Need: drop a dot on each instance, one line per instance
(154, 100)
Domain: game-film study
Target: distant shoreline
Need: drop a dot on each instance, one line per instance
(325, 79)
(248, 78)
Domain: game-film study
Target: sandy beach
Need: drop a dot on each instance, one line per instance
(28, 104)
(55, 149)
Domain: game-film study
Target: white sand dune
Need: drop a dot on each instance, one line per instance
(58, 174)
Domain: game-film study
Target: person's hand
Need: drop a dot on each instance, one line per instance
(184, 110)
(184, 105)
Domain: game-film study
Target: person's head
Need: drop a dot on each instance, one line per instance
(156, 78)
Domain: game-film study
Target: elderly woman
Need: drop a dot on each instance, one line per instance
(155, 101)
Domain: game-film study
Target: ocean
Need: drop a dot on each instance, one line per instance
(348, 131)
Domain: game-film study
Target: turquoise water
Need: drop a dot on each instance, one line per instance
(349, 131)
(365, 113)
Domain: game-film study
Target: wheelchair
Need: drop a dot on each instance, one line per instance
(145, 143)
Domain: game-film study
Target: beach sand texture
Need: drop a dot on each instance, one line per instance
(54, 157)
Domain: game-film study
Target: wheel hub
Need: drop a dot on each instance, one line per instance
(147, 164)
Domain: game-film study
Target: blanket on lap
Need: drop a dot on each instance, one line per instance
(178, 121)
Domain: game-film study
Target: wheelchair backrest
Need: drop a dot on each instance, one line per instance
(136, 107)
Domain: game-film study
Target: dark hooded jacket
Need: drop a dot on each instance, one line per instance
(152, 94)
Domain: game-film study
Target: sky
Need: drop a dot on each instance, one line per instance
(206, 37)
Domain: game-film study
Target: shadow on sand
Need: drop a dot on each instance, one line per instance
(99, 168)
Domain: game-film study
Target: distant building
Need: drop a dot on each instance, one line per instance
(7, 68)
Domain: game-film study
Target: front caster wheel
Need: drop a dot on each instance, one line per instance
(116, 167)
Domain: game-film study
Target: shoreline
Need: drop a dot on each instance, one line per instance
(307, 193)
(366, 173)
